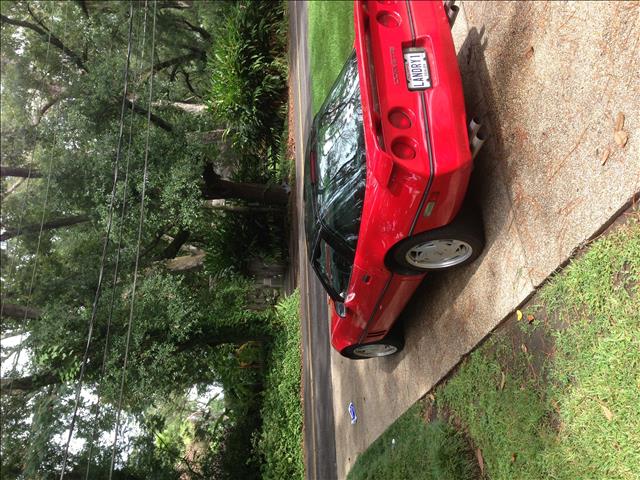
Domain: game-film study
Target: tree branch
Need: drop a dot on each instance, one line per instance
(159, 122)
(194, 55)
(18, 311)
(184, 106)
(35, 227)
(28, 383)
(13, 187)
(188, 83)
(47, 36)
(201, 31)
(7, 171)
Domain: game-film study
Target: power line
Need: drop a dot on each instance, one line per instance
(140, 223)
(116, 267)
(104, 249)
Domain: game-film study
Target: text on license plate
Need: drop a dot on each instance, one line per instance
(417, 69)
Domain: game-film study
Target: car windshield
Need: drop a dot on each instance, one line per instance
(336, 182)
(340, 157)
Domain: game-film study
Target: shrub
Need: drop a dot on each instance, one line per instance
(248, 78)
(279, 443)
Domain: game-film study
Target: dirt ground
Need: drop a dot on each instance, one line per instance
(557, 84)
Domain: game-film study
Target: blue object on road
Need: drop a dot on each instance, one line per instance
(352, 413)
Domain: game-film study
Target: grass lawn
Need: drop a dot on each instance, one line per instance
(330, 43)
(412, 449)
(555, 394)
(280, 440)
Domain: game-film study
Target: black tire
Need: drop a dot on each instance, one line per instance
(465, 228)
(394, 341)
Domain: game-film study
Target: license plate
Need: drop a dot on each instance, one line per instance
(417, 69)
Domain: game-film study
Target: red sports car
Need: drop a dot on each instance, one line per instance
(387, 168)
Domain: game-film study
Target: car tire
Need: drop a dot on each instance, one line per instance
(391, 344)
(451, 246)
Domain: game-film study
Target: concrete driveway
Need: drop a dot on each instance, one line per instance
(552, 81)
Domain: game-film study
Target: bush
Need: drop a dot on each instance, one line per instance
(248, 78)
(279, 443)
(236, 238)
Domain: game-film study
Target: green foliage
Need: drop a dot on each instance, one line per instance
(580, 421)
(248, 77)
(280, 439)
(248, 69)
(412, 449)
(236, 239)
(186, 327)
(330, 43)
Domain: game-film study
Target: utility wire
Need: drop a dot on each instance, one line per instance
(104, 249)
(140, 223)
(116, 267)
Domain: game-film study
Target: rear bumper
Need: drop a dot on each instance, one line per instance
(404, 196)
(384, 30)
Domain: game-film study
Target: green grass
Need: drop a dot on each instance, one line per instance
(280, 440)
(330, 43)
(568, 409)
(582, 420)
(421, 451)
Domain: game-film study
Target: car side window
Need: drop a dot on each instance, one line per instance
(334, 268)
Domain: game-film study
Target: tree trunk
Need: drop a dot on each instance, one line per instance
(18, 311)
(50, 225)
(7, 171)
(176, 243)
(215, 187)
(186, 263)
(250, 192)
(28, 384)
(226, 207)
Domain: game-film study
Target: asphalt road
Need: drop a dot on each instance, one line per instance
(319, 434)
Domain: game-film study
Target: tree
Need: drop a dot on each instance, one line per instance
(62, 91)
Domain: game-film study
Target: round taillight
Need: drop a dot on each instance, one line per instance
(403, 148)
(399, 118)
(388, 19)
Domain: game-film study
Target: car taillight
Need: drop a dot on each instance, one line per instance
(399, 118)
(404, 148)
(388, 19)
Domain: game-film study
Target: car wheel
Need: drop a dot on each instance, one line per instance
(453, 245)
(389, 345)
